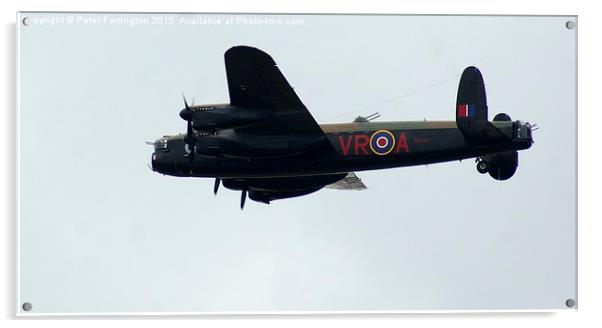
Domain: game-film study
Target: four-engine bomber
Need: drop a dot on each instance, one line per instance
(266, 144)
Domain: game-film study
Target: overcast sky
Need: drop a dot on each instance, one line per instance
(100, 232)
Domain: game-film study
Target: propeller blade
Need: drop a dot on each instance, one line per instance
(185, 102)
(216, 186)
(189, 135)
(243, 198)
(190, 140)
(149, 143)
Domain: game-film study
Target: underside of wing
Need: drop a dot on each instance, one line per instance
(349, 182)
(266, 190)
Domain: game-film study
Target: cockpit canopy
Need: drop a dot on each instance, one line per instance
(161, 144)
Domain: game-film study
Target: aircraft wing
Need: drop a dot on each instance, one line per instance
(349, 182)
(255, 81)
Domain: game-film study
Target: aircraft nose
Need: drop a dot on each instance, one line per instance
(159, 164)
(164, 163)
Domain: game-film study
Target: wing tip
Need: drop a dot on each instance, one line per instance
(248, 53)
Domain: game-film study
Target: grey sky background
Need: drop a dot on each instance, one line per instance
(100, 232)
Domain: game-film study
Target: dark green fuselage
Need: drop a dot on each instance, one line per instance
(356, 148)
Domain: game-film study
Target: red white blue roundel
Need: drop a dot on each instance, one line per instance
(382, 142)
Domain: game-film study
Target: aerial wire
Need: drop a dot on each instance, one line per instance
(413, 92)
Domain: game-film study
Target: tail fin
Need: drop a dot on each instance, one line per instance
(471, 103)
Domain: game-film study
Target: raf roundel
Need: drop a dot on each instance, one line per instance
(382, 142)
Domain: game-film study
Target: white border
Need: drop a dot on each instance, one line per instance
(21, 312)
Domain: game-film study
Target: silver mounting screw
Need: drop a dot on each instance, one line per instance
(27, 306)
(570, 25)
(570, 302)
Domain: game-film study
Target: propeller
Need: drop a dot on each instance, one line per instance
(243, 198)
(216, 186)
(190, 142)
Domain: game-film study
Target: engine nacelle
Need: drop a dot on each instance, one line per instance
(212, 117)
(228, 143)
